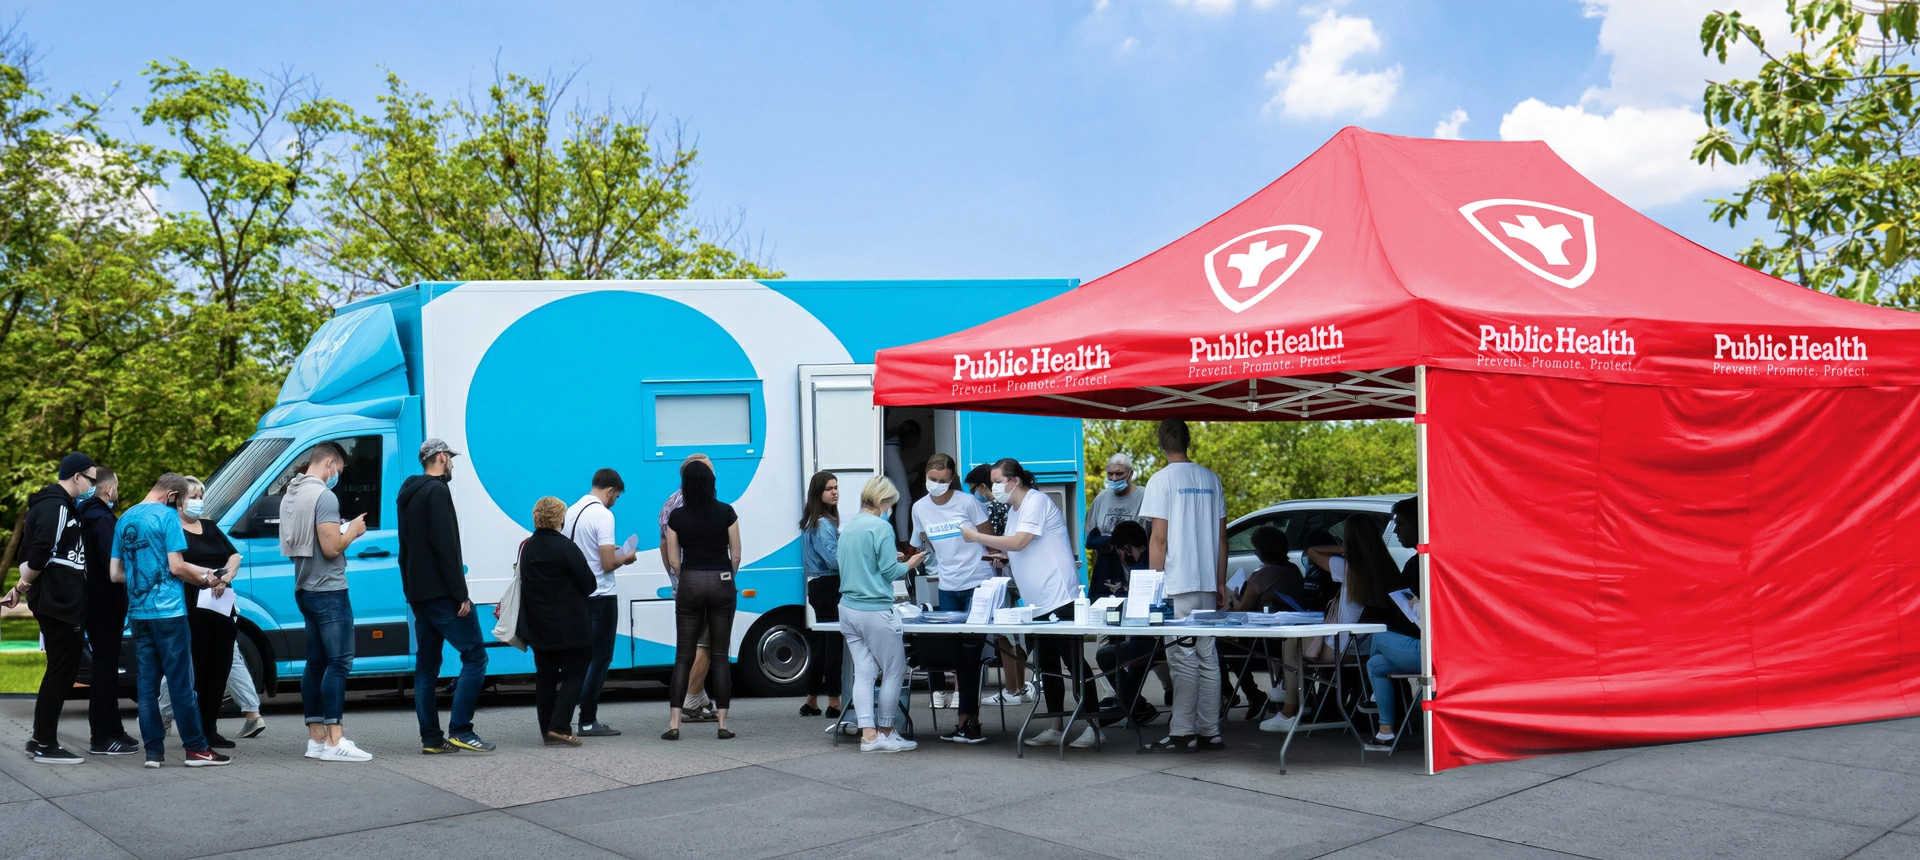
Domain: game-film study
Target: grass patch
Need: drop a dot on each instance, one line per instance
(20, 671)
(18, 629)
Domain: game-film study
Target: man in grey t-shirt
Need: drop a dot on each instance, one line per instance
(314, 539)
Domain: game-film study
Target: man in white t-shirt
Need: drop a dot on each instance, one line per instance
(589, 524)
(1189, 513)
(938, 518)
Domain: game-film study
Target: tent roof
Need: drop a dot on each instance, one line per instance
(1316, 296)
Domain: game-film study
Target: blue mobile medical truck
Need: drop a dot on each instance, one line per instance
(538, 384)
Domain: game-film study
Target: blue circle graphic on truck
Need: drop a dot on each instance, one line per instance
(567, 390)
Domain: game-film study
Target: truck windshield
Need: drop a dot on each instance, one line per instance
(239, 472)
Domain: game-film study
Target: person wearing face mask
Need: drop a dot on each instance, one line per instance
(1123, 657)
(149, 555)
(1016, 690)
(961, 567)
(869, 565)
(212, 631)
(435, 581)
(106, 617)
(1118, 503)
(53, 581)
(1040, 553)
(314, 539)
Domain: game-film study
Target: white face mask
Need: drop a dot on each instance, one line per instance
(196, 507)
(938, 488)
(1117, 486)
(1000, 492)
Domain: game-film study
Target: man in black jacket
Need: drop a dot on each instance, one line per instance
(106, 618)
(54, 580)
(436, 586)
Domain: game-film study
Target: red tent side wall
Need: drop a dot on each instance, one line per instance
(1616, 565)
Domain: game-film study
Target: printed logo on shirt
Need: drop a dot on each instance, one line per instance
(943, 531)
(1195, 491)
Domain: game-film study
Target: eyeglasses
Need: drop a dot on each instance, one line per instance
(90, 479)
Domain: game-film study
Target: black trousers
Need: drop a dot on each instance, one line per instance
(1059, 658)
(557, 676)
(106, 620)
(703, 600)
(824, 673)
(962, 655)
(213, 634)
(65, 642)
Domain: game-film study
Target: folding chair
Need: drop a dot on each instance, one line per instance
(1417, 686)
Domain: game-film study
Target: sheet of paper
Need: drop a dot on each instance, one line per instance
(986, 598)
(222, 604)
(1238, 579)
(1409, 604)
(632, 544)
(1143, 591)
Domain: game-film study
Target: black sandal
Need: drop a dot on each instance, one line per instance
(670, 735)
(809, 711)
(726, 735)
(833, 712)
(1173, 743)
(1211, 744)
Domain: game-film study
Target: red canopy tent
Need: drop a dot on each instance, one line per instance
(1664, 495)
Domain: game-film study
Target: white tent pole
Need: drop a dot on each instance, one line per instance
(1426, 590)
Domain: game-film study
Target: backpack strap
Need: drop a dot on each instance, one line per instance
(576, 522)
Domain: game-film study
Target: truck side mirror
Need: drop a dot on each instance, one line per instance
(262, 519)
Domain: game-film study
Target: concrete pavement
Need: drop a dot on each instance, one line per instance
(781, 789)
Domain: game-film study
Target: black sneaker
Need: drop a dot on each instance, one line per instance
(219, 741)
(706, 714)
(439, 747)
(470, 742)
(208, 758)
(117, 746)
(967, 734)
(51, 754)
(597, 730)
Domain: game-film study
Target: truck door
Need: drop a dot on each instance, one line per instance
(840, 428)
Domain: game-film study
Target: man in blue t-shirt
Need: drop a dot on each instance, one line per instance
(147, 543)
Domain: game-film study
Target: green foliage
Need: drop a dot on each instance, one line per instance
(1264, 462)
(508, 188)
(1832, 119)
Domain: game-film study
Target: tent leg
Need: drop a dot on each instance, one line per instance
(1425, 693)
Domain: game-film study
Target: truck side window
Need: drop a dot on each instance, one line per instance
(359, 486)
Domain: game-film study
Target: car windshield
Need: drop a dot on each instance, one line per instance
(239, 472)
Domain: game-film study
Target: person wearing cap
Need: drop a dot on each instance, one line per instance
(435, 583)
(53, 579)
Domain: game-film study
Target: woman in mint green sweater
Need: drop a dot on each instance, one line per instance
(868, 567)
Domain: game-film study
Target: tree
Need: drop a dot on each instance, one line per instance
(1832, 119)
(1264, 462)
(506, 187)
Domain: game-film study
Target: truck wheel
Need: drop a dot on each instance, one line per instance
(774, 656)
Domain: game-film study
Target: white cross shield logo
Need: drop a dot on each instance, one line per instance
(1238, 276)
(1541, 237)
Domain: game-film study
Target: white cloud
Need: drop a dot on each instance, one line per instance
(1634, 137)
(1315, 82)
(1101, 5)
(1449, 126)
(1206, 5)
(1128, 44)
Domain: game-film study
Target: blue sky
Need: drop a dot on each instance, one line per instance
(989, 139)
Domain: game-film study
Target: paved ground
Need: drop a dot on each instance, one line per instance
(780, 789)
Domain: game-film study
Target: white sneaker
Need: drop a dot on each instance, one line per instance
(1087, 738)
(345, 751)
(901, 744)
(1008, 697)
(694, 703)
(885, 744)
(315, 748)
(1048, 738)
(1279, 723)
(946, 701)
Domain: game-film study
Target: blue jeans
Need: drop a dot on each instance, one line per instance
(956, 601)
(604, 612)
(164, 647)
(1393, 653)
(437, 622)
(323, 685)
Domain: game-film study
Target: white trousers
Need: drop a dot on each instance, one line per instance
(1196, 673)
(878, 653)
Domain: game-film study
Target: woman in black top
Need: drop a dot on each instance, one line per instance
(703, 553)
(212, 632)
(554, 584)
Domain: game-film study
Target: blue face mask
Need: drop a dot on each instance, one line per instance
(87, 494)
(196, 507)
(333, 480)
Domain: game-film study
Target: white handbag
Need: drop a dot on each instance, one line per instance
(508, 609)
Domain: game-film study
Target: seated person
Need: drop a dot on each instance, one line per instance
(1125, 552)
(1122, 655)
(1279, 586)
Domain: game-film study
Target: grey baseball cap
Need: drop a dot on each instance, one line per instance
(436, 446)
